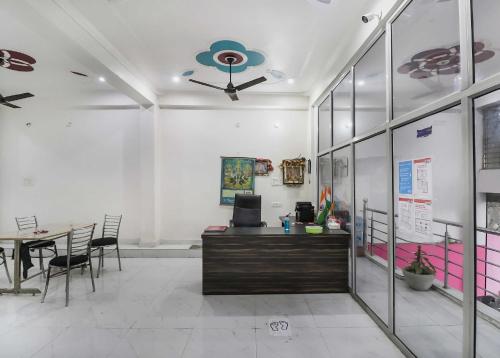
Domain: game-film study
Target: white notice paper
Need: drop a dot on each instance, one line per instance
(422, 178)
(423, 219)
(406, 216)
(415, 200)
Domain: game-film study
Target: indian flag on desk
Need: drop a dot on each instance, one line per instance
(325, 205)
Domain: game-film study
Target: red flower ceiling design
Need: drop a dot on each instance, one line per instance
(16, 61)
(441, 61)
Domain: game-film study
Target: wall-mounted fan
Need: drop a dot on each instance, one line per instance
(231, 90)
(6, 100)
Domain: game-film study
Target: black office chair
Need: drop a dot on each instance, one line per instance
(77, 256)
(30, 222)
(110, 231)
(247, 211)
(4, 262)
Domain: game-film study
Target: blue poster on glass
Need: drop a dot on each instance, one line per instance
(405, 177)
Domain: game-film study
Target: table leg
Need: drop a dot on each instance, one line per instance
(17, 274)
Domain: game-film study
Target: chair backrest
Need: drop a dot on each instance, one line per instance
(247, 210)
(27, 222)
(79, 240)
(111, 226)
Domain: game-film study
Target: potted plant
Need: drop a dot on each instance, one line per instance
(420, 273)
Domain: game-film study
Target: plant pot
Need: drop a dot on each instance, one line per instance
(418, 282)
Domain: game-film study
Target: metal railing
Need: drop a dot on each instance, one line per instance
(375, 225)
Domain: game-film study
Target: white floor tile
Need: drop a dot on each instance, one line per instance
(152, 343)
(154, 308)
(221, 343)
(303, 342)
(359, 342)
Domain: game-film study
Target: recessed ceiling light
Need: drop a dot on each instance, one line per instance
(176, 79)
(361, 83)
(291, 81)
(102, 79)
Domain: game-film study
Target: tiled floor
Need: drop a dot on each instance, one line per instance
(154, 308)
(429, 323)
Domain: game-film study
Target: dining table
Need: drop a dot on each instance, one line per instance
(45, 232)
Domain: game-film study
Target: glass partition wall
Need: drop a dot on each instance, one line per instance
(428, 197)
(414, 152)
(487, 150)
(372, 275)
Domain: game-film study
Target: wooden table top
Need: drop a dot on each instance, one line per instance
(295, 230)
(54, 230)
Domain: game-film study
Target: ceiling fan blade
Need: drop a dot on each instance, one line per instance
(18, 97)
(233, 96)
(206, 84)
(9, 105)
(250, 83)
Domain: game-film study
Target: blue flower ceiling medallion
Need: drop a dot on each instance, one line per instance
(220, 51)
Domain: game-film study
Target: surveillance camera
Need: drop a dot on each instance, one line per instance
(369, 17)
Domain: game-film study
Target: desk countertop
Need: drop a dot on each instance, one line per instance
(297, 230)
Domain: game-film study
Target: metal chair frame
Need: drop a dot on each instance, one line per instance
(78, 244)
(31, 222)
(4, 263)
(110, 228)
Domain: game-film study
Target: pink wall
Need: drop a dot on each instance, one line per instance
(435, 253)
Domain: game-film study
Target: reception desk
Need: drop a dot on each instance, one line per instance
(268, 260)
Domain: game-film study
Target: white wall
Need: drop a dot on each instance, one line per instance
(192, 142)
(70, 174)
(107, 161)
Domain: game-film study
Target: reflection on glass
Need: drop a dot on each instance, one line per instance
(325, 181)
(342, 106)
(370, 103)
(342, 187)
(428, 208)
(487, 123)
(325, 125)
(426, 54)
(486, 37)
(371, 224)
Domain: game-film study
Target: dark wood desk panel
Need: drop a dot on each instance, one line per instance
(268, 260)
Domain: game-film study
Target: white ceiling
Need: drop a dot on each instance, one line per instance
(50, 81)
(162, 38)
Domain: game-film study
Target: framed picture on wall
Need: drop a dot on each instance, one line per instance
(263, 166)
(293, 171)
(237, 177)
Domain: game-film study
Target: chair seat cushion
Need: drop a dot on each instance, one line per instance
(61, 261)
(40, 244)
(104, 241)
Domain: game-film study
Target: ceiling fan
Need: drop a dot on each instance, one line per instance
(6, 100)
(231, 90)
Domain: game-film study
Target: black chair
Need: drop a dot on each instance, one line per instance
(247, 211)
(110, 232)
(4, 262)
(77, 256)
(30, 222)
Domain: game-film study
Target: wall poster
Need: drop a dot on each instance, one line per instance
(237, 177)
(415, 199)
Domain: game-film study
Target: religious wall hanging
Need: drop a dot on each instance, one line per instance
(237, 177)
(263, 166)
(293, 171)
